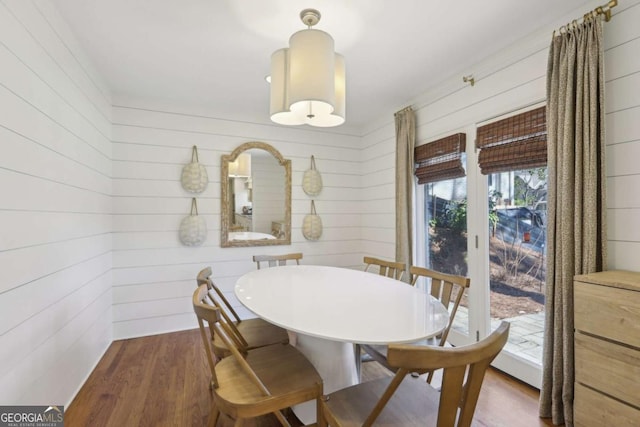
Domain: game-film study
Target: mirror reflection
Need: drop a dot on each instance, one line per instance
(256, 197)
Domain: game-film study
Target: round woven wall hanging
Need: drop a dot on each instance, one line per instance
(193, 228)
(312, 180)
(312, 224)
(194, 175)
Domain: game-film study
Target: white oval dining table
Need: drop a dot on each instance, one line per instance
(332, 308)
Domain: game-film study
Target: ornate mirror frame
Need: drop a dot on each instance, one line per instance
(226, 221)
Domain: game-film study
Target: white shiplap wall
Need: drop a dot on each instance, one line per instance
(513, 79)
(55, 209)
(378, 191)
(153, 274)
(622, 65)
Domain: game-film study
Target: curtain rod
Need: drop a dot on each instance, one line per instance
(403, 110)
(605, 10)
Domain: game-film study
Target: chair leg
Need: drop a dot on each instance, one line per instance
(321, 421)
(430, 376)
(213, 415)
(282, 419)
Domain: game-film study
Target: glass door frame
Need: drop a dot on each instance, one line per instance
(477, 263)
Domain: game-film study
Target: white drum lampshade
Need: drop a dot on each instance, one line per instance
(241, 167)
(308, 81)
(279, 106)
(311, 75)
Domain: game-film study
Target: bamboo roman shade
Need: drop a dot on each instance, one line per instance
(441, 159)
(517, 142)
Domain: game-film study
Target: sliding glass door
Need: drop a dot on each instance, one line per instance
(490, 225)
(517, 247)
(445, 205)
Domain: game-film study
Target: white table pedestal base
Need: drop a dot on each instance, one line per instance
(334, 361)
(296, 297)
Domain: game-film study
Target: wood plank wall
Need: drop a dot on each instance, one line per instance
(55, 209)
(512, 79)
(154, 275)
(622, 65)
(378, 190)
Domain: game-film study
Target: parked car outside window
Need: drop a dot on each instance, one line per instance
(520, 224)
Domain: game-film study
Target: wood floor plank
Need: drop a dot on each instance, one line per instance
(163, 380)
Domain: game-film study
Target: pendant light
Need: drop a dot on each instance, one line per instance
(308, 79)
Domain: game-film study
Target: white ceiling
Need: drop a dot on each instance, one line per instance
(216, 53)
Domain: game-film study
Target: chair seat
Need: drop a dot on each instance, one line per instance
(415, 403)
(283, 370)
(257, 333)
(379, 352)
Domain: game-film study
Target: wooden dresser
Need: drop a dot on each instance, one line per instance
(607, 349)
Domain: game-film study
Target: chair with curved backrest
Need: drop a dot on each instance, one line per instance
(449, 290)
(248, 333)
(392, 269)
(402, 400)
(265, 380)
(276, 260)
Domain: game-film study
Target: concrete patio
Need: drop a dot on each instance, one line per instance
(525, 336)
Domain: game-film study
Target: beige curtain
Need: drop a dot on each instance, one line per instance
(576, 200)
(405, 143)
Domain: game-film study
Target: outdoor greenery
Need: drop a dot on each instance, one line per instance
(453, 217)
(516, 262)
(525, 193)
(454, 214)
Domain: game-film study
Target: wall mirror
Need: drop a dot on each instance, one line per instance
(256, 197)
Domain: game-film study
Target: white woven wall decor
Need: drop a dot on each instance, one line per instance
(312, 180)
(312, 224)
(194, 175)
(193, 228)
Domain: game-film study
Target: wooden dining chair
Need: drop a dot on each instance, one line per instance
(276, 260)
(392, 269)
(263, 381)
(449, 290)
(248, 333)
(402, 400)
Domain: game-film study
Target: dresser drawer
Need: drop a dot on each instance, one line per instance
(608, 311)
(608, 367)
(593, 409)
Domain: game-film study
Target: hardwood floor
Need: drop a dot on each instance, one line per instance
(163, 380)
